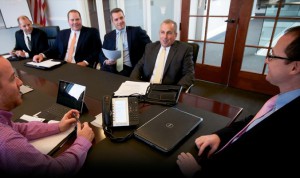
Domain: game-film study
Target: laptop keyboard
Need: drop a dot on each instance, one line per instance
(54, 112)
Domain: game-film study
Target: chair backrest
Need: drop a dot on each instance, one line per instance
(195, 51)
(51, 32)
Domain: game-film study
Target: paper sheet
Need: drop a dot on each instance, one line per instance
(25, 89)
(112, 54)
(98, 121)
(132, 88)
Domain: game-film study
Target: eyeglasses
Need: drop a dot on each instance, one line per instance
(270, 57)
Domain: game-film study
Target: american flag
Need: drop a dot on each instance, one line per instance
(38, 8)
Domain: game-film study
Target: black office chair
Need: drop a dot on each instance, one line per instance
(51, 32)
(195, 51)
(195, 56)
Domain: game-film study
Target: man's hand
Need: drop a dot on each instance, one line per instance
(85, 131)
(212, 140)
(68, 120)
(110, 62)
(187, 164)
(82, 64)
(38, 58)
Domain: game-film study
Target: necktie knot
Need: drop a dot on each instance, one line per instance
(268, 106)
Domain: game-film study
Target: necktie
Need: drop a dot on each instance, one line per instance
(29, 43)
(71, 49)
(120, 47)
(158, 71)
(267, 107)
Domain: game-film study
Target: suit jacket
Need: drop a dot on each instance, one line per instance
(137, 40)
(88, 46)
(179, 68)
(39, 42)
(269, 148)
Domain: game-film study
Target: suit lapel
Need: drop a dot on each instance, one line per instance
(154, 53)
(129, 36)
(81, 38)
(170, 57)
(66, 39)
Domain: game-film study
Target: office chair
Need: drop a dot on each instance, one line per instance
(195, 56)
(51, 32)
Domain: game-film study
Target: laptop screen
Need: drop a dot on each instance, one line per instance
(71, 95)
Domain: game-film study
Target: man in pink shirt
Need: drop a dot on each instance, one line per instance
(17, 155)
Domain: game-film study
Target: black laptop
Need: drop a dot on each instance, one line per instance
(168, 128)
(70, 96)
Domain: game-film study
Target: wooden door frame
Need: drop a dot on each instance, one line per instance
(208, 72)
(229, 73)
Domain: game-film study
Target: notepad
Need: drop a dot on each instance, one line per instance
(47, 64)
(48, 145)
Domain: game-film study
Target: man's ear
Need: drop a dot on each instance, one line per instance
(296, 67)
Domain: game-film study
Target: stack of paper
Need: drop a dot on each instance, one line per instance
(130, 88)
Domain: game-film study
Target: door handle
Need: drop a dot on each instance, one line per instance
(230, 20)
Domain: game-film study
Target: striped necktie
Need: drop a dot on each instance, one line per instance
(29, 43)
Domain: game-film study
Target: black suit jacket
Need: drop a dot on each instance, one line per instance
(179, 68)
(39, 42)
(88, 46)
(269, 148)
(137, 40)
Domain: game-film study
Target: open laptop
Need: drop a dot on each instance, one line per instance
(69, 96)
(168, 128)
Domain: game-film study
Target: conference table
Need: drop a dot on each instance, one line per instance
(133, 157)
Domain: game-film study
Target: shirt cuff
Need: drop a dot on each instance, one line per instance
(86, 62)
(26, 55)
(43, 55)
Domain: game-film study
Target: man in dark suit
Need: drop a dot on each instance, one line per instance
(134, 42)
(177, 65)
(29, 41)
(267, 144)
(79, 44)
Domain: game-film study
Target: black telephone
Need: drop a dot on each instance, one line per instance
(121, 111)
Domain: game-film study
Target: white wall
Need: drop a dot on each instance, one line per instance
(56, 15)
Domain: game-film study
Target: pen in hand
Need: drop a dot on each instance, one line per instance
(74, 115)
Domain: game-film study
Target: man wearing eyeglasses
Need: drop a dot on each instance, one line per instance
(263, 145)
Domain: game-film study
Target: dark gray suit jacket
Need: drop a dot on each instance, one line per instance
(179, 68)
(39, 42)
(88, 46)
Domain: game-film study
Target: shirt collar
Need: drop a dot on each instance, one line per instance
(284, 98)
(27, 34)
(5, 117)
(123, 30)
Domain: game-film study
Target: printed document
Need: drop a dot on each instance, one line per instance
(112, 54)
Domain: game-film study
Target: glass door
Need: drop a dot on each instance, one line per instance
(235, 36)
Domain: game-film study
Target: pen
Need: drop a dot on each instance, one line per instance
(74, 115)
